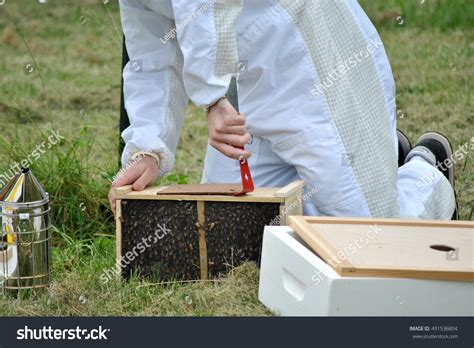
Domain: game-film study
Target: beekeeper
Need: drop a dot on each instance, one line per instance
(317, 97)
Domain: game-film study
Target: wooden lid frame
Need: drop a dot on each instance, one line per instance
(401, 249)
(259, 195)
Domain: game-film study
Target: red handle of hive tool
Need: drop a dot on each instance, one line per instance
(247, 182)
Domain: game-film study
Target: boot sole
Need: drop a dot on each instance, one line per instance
(447, 147)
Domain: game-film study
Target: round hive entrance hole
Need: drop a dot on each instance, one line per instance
(440, 247)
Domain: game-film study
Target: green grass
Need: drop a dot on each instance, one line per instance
(75, 87)
(78, 290)
(71, 176)
(422, 14)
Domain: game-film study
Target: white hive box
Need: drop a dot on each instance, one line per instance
(295, 281)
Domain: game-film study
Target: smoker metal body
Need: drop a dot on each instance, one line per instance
(25, 236)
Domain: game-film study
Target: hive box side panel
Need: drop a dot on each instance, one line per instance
(234, 232)
(160, 238)
(293, 205)
(293, 281)
(400, 297)
(293, 200)
(118, 232)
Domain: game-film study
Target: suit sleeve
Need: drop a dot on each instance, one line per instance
(207, 37)
(155, 98)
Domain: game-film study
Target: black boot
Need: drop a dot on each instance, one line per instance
(437, 145)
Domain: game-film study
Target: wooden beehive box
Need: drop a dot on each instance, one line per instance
(391, 248)
(187, 237)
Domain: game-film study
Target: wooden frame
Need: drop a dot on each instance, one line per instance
(260, 195)
(288, 199)
(315, 232)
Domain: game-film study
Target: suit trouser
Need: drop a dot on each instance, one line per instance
(423, 192)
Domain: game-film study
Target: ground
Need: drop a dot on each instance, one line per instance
(60, 69)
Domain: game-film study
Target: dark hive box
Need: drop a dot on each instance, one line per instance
(187, 237)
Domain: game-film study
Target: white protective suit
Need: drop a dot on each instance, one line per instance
(314, 82)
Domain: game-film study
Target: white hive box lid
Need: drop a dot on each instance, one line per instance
(394, 248)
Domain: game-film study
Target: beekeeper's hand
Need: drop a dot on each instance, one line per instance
(227, 129)
(139, 174)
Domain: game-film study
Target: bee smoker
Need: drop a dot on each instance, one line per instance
(25, 235)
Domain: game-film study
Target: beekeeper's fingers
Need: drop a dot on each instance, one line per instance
(232, 120)
(126, 177)
(129, 175)
(134, 173)
(230, 151)
(112, 200)
(223, 128)
(148, 176)
(231, 139)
